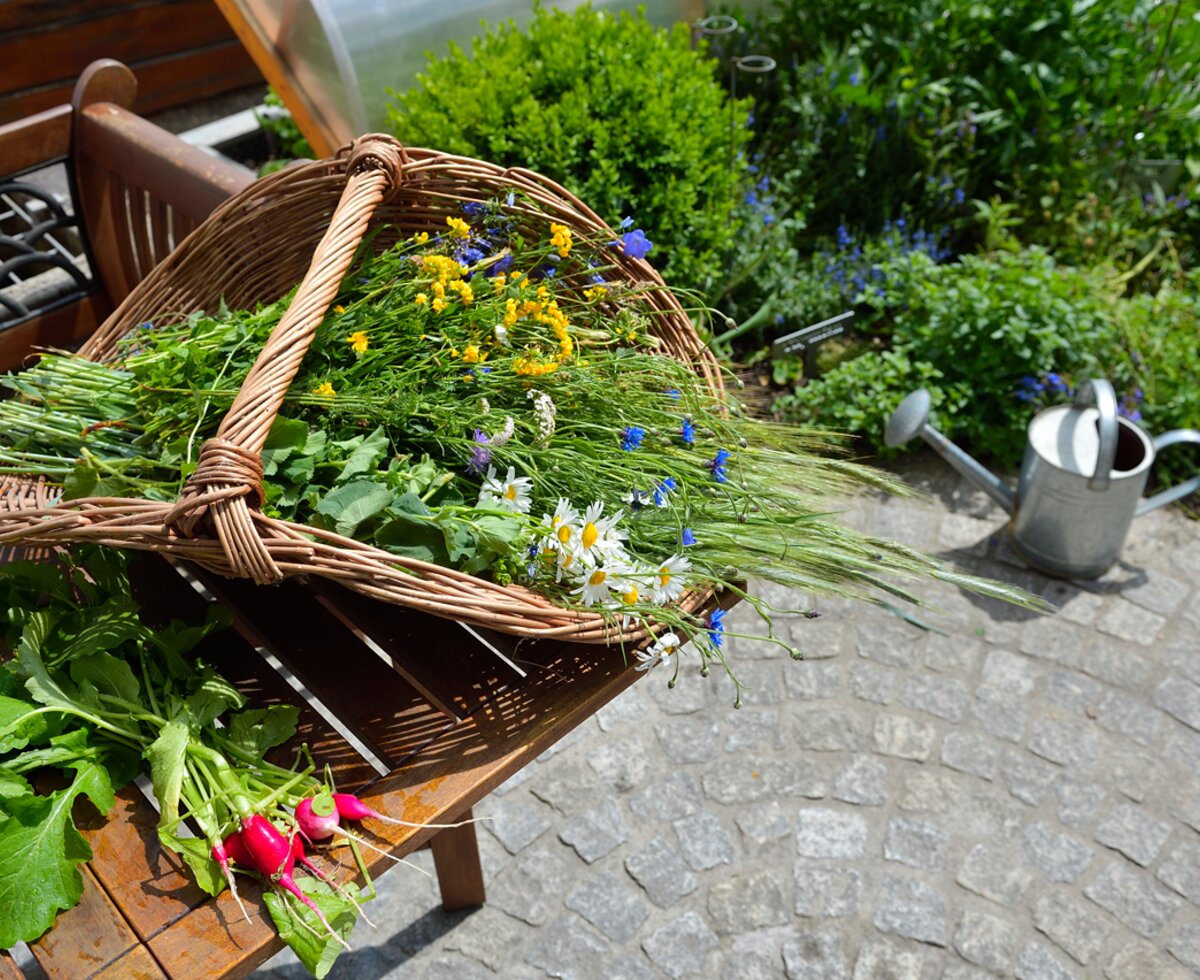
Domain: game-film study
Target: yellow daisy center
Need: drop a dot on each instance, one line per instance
(564, 533)
(590, 534)
(631, 596)
(664, 576)
(597, 577)
(510, 492)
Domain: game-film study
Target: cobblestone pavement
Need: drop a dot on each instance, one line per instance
(1018, 795)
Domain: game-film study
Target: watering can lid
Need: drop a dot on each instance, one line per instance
(1067, 437)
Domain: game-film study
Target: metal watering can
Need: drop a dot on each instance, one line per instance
(1081, 479)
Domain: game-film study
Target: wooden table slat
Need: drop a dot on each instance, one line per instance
(85, 938)
(137, 964)
(8, 969)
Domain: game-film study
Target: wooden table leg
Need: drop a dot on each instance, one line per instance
(456, 859)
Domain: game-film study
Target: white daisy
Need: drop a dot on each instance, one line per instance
(501, 333)
(666, 647)
(599, 537)
(511, 493)
(598, 585)
(669, 578)
(561, 529)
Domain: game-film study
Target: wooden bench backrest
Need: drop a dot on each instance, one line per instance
(138, 190)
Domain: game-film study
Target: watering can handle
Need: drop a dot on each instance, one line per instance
(1183, 489)
(1100, 392)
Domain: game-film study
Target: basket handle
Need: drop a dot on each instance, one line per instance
(229, 468)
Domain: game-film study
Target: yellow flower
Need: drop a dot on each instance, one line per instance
(499, 282)
(339, 310)
(420, 299)
(358, 340)
(454, 352)
(324, 390)
(595, 293)
(465, 293)
(439, 305)
(532, 367)
(560, 237)
(471, 355)
(458, 227)
(420, 237)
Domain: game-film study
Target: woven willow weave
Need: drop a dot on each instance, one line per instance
(305, 223)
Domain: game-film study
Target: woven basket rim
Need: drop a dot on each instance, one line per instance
(365, 173)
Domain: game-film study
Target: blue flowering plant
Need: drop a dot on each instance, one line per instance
(495, 399)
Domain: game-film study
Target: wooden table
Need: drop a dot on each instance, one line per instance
(435, 736)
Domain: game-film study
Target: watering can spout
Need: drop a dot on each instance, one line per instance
(911, 419)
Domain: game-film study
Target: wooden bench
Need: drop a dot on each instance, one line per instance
(447, 718)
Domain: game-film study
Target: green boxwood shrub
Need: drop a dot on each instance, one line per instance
(626, 116)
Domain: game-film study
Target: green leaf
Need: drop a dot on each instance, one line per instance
(287, 436)
(107, 674)
(64, 750)
(195, 852)
(211, 699)
(352, 503)
(299, 927)
(17, 729)
(366, 457)
(40, 851)
(260, 729)
(13, 784)
(410, 532)
(167, 755)
(40, 685)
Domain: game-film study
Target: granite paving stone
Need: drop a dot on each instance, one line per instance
(703, 841)
(1036, 962)
(755, 955)
(517, 824)
(1067, 741)
(596, 832)
(826, 893)
(1180, 870)
(762, 823)
(986, 940)
(814, 955)
(1123, 714)
(1078, 799)
(678, 795)
(952, 654)
(688, 738)
(993, 869)
(881, 960)
(917, 843)
(826, 833)
(816, 680)
(747, 902)
(798, 777)
(661, 871)
(1180, 699)
(909, 907)
(611, 904)
(892, 644)
(1059, 856)
(567, 947)
(1000, 712)
(1071, 924)
(1136, 774)
(1115, 663)
(1132, 898)
(1027, 777)
(1140, 961)
(1134, 832)
(970, 752)
(1130, 622)
(752, 729)
(829, 730)
(942, 697)
(868, 682)
(680, 947)
(862, 780)
(1185, 946)
(903, 737)
(1076, 692)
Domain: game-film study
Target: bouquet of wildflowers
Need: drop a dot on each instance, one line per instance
(494, 402)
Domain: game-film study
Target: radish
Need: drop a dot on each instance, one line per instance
(350, 807)
(317, 816)
(222, 854)
(273, 855)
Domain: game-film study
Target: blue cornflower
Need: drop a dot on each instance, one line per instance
(717, 466)
(687, 432)
(688, 538)
(778, 319)
(959, 195)
(854, 78)
(751, 197)
(503, 264)
(481, 455)
(662, 490)
(768, 218)
(626, 222)
(632, 437)
(716, 627)
(469, 255)
(843, 118)
(473, 208)
(1055, 383)
(673, 393)
(635, 244)
(843, 236)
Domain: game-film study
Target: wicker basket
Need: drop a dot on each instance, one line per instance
(308, 221)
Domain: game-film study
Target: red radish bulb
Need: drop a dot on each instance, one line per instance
(318, 817)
